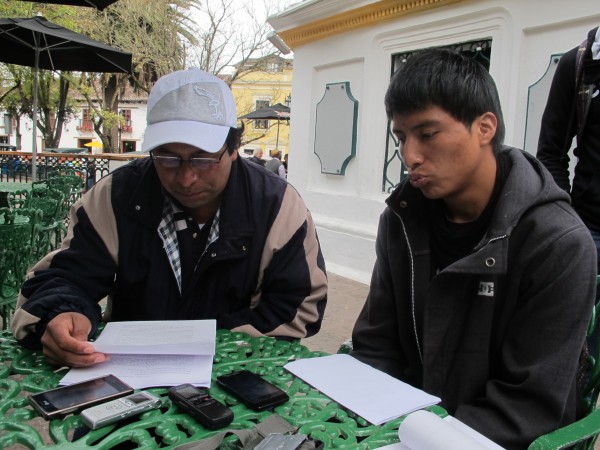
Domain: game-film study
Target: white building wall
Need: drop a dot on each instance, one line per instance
(346, 208)
(71, 134)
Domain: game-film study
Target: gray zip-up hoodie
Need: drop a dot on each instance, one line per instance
(503, 327)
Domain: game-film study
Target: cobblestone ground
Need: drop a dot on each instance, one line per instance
(345, 300)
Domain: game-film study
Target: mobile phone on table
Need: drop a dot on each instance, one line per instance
(201, 406)
(67, 399)
(253, 390)
(119, 409)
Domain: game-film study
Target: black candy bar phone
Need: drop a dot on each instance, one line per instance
(201, 406)
(67, 399)
(253, 390)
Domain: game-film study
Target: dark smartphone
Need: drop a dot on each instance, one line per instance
(201, 406)
(67, 399)
(253, 390)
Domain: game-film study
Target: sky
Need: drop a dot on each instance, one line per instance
(243, 11)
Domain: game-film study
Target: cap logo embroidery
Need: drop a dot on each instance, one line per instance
(213, 101)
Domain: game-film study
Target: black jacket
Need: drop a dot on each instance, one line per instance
(265, 274)
(556, 135)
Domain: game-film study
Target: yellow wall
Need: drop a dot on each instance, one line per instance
(263, 85)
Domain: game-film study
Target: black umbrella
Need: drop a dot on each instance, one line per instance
(274, 112)
(99, 4)
(41, 44)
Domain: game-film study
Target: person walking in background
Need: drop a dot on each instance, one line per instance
(472, 298)
(285, 162)
(573, 111)
(256, 157)
(192, 232)
(275, 165)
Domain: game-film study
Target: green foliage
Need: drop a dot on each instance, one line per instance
(162, 35)
(16, 84)
(156, 36)
(63, 15)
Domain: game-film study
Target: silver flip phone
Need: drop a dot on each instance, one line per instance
(115, 410)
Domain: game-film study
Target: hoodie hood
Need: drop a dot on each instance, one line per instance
(528, 184)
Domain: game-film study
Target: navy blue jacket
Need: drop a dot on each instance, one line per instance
(264, 275)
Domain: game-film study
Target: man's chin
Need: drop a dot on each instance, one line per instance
(191, 201)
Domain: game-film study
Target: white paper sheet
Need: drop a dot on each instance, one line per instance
(154, 353)
(142, 371)
(423, 430)
(167, 337)
(370, 393)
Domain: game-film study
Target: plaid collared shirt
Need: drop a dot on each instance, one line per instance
(174, 220)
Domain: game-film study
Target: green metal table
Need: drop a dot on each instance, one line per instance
(23, 372)
(11, 186)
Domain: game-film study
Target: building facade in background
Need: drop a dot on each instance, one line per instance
(353, 46)
(79, 130)
(269, 85)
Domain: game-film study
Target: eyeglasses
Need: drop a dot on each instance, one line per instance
(175, 162)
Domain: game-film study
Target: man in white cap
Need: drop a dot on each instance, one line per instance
(193, 232)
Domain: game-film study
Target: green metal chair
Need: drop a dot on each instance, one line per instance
(39, 188)
(582, 434)
(18, 229)
(70, 184)
(18, 199)
(50, 225)
(62, 213)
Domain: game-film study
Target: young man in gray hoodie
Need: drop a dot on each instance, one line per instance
(485, 276)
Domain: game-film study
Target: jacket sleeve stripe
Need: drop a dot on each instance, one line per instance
(293, 215)
(98, 206)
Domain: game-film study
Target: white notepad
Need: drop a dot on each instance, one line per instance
(423, 430)
(368, 392)
(154, 353)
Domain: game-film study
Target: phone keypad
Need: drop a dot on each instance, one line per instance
(203, 400)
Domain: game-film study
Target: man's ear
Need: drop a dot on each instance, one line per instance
(487, 124)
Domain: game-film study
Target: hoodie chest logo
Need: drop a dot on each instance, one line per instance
(486, 288)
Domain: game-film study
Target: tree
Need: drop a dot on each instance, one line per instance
(53, 104)
(232, 37)
(10, 99)
(156, 36)
(218, 36)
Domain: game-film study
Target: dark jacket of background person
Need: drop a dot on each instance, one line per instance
(245, 280)
(275, 165)
(259, 161)
(556, 135)
(505, 324)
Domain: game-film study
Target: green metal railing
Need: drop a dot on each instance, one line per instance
(16, 166)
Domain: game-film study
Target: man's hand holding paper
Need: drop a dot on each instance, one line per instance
(65, 341)
(154, 353)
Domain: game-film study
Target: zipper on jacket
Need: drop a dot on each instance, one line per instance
(412, 286)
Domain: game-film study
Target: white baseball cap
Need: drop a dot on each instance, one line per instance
(190, 107)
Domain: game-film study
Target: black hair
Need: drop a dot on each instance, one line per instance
(234, 138)
(459, 85)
